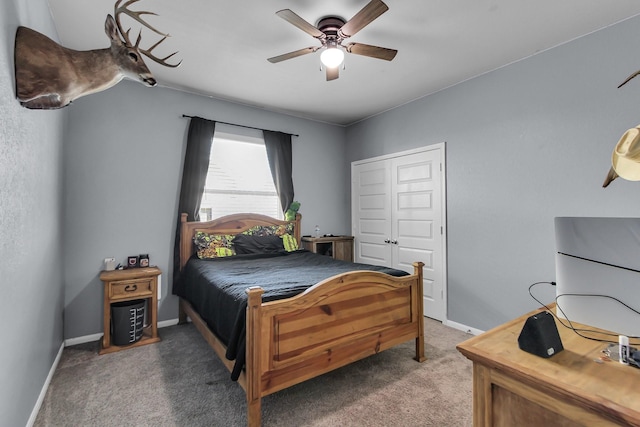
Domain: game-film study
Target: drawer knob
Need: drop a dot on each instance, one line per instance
(131, 288)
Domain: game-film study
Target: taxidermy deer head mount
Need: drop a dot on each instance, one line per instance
(50, 76)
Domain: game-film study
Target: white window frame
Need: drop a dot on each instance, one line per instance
(208, 211)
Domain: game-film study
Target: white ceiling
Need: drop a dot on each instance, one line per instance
(224, 46)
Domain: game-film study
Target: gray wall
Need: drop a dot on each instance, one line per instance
(123, 166)
(30, 228)
(524, 144)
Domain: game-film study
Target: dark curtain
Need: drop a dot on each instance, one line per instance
(194, 175)
(278, 146)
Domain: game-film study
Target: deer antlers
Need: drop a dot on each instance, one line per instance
(136, 15)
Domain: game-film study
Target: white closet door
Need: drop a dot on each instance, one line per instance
(398, 217)
(371, 214)
(416, 229)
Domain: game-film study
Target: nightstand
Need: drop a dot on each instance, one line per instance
(127, 285)
(338, 247)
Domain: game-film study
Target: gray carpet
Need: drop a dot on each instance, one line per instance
(181, 382)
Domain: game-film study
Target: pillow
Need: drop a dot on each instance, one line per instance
(213, 245)
(290, 243)
(246, 244)
(269, 230)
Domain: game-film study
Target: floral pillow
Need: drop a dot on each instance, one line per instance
(213, 245)
(269, 230)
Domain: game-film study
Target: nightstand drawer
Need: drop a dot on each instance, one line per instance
(131, 288)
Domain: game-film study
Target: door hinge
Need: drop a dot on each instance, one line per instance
(441, 230)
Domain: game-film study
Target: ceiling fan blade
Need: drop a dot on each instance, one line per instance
(289, 16)
(371, 51)
(293, 54)
(333, 73)
(363, 18)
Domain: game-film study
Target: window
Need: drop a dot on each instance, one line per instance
(239, 179)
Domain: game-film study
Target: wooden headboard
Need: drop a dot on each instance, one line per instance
(230, 224)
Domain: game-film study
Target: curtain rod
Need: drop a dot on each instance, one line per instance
(234, 124)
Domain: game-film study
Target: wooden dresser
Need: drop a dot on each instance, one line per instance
(514, 388)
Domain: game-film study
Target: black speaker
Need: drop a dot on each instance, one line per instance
(540, 336)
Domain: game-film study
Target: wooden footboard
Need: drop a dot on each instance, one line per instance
(336, 322)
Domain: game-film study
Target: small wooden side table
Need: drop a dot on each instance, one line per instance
(128, 285)
(339, 247)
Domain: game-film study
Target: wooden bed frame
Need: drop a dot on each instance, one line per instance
(336, 322)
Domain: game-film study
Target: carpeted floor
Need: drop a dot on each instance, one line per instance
(181, 382)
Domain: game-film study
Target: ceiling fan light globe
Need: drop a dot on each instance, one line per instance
(332, 57)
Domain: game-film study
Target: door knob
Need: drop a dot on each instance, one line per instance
(387, 241)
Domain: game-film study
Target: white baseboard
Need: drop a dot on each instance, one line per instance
(165, 323)
(95, 337)
(45, 387)
(463, 328)
(81, 340)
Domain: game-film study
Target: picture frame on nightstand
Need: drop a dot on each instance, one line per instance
(143, 260)
(132, 261)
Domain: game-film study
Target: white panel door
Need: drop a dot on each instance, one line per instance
(398, 217)
(417, 227)
(371, 183)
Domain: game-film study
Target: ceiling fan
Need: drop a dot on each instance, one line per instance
(331, 32)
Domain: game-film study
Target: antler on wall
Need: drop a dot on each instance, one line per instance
(50, 76)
